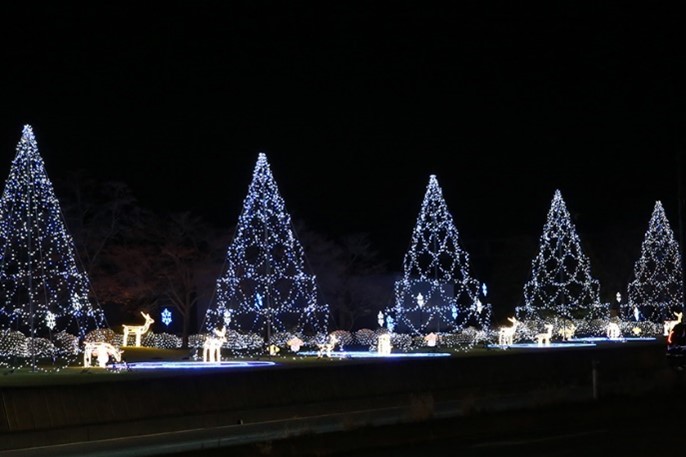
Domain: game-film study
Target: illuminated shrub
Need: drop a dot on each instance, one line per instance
(66, 343)
(343, 337)
(40, 347)
(166, 341)
(105, 335)
(364, 337)
(12, 344)
(400, 341)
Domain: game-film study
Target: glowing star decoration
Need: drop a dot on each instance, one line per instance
(453, 311)
(273, 349)
(484, 290)
(39, 271)
(637, 313)
(636, 331)
(619, 297)
(50, 320)
(380, 319)
(657, 287)
(295, 344)
(383, 344)
(137, 330)
(265, 284)
(561, 285)
(436, 274)
(166, 317)
(479, 306)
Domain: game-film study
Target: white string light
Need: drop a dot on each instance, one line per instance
(561, 286)
(264, 289)
(43, 293)
(656, 291)
(437, 292)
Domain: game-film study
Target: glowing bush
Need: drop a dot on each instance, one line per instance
(105, 335)
(365, 337)
(343, 337)
(40, 347)
(12, 344)
(66, 343)
(166, 341)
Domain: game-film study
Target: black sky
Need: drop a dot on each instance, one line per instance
(357, 103)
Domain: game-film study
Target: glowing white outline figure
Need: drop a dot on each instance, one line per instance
(138, 330)
(567, 332)
(383, 344)
(543, 339)
(327, 347)
(211, 347)
(506, 334)
(295, 343)
(669, 325)
(431, 339)
(613, 331)
(102, 351)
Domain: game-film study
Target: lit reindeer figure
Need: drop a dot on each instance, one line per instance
(102, 351)
(669, 325)
(567, 332)
(137, 330)
(506, 334)
(212, 346)
(543, 339)
(613, 331)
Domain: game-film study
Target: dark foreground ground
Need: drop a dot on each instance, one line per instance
(619, 399)
(645, 425)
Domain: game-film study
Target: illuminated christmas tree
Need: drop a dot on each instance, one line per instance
(656, 291)
(561, 285)
(264, 288)
(437, 292)
(44, 294)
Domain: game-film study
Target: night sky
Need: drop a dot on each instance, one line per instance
(356, 104)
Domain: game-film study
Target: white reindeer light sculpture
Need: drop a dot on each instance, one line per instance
(506, 334)
(211, 348)
(613, 331)
(102, 351)
(669, 325)
(137, 330)
(567, 332)
(543, 339)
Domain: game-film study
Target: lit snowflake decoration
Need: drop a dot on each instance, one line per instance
(50, 320)
(166, 317)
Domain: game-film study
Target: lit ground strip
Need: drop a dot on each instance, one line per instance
(193, 365)
(604, 339)
(367, 354)
(538, 346)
